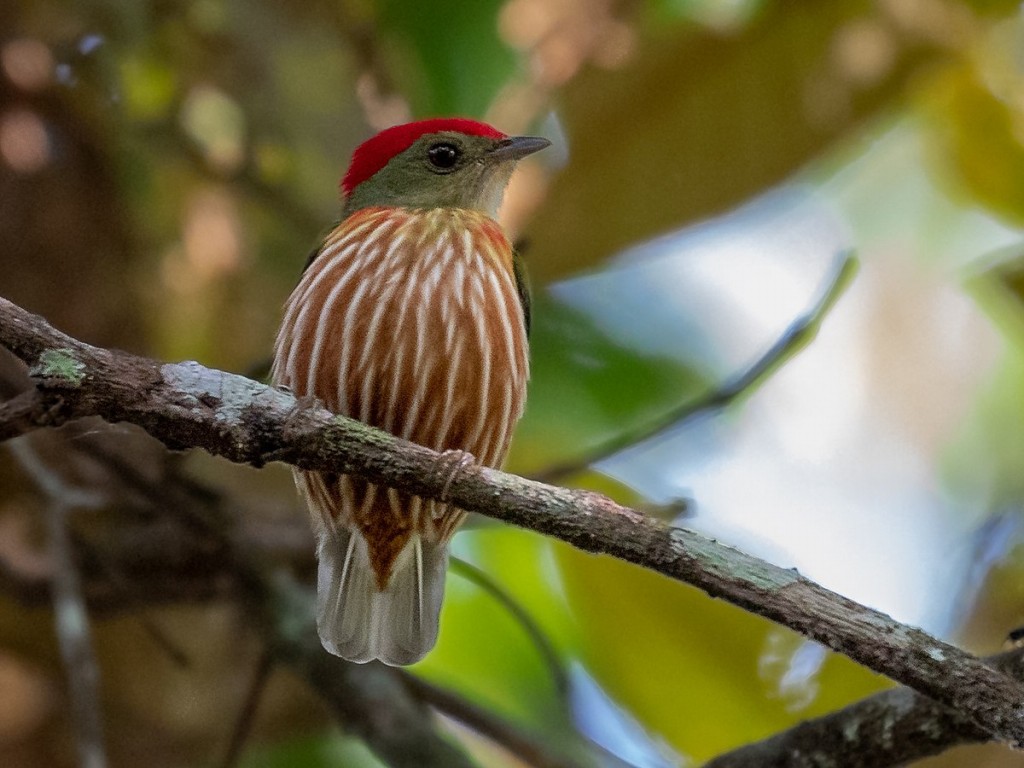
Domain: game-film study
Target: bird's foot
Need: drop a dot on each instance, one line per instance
(303, 402)
(451, 463)
(293, 420)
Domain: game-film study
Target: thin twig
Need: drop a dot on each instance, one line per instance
(559, 674)
(797, 336)
(72, 624)
(528, 748)
(129, 596)
(247, 715)
(70, 616)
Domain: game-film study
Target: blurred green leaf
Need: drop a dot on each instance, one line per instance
(325, 750)
(454, 60)
(999, 289)
(996, 610)
(148, 87)
(982, 463)
(976, 138)
(718, 14)
(689, 667)
(696, 123)
(585, 388)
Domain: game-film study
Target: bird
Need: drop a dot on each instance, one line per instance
(412, 316)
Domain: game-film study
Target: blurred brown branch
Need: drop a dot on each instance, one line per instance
(20, 415)
(70, 616)
(197, 558)
(189, 555)
(186, 405)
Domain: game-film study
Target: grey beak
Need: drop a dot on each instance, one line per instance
(517, 147)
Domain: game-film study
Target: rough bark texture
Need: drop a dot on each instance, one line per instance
(889, 728)
(186, 405)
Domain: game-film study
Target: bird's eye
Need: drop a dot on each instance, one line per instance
(443, 156)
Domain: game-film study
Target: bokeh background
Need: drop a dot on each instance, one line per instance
(165, 168)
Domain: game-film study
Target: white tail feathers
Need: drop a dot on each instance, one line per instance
(359, 622)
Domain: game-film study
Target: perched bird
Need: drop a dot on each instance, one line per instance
(412, 316)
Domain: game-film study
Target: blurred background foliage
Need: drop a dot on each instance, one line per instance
(165, 168)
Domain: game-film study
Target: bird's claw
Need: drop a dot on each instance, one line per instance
(452, 462)
(303, 402)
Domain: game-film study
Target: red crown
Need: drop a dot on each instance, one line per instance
(374, 153)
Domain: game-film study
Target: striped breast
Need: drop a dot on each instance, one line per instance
(408, 320)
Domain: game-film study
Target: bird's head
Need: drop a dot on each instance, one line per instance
(440, 163)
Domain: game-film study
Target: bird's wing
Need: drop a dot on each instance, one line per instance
(523, 287)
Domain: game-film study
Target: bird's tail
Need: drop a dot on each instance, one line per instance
(360, 622)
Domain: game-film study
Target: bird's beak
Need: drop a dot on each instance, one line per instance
(517, 147)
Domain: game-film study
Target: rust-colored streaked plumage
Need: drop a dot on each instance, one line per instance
(408, 320)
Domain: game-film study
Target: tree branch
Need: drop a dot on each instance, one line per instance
(889, 728)
(20, 415)
(186, 405)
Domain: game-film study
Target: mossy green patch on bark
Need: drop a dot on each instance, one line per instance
(60, 364)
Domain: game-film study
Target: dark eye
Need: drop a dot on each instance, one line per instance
(443, 156)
